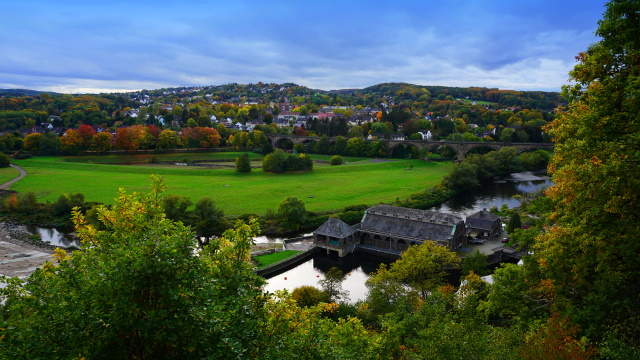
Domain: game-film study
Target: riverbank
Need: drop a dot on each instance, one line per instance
(20, 254)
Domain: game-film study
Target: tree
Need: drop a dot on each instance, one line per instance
(31, 142)
(461, 177)
(168, 139)
(423, 266)
(4, 160)
(307, 296)
(514, 223)
(331, 285)
(101, 142)
(176, 208)
(243, 165)
(208, 219)
(339, 146)
(323, 146)
(476, 263)
(591, 251)
(71, 142)
(138, 290)
(292, 213)
(356, 147)
(274, 162)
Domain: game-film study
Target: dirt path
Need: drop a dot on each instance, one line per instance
(11, 182)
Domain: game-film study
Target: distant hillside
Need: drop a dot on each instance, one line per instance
(22, 92)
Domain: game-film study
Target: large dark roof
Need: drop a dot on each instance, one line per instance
(410, 223)
(335, 228)
(422, 215)
(481, 220)
(484, 215)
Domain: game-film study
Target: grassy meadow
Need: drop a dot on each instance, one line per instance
(362, 181)
(8, 174)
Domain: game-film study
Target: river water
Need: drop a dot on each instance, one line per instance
(359, 266)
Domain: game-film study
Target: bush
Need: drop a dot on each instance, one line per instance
(336, 160)
(243, 165)
(4, 160)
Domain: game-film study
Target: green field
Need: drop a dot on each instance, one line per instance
(362, 181)
(8, 174)
(266, 260)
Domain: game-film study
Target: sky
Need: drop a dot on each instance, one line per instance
(91, 46)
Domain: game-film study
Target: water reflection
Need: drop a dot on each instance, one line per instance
(357, 267)
(56, 237)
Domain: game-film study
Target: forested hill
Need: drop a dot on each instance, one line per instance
(19, 92)
(389, 93)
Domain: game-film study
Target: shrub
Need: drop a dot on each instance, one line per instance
(4, 160)
(336, 160)
(243, 165)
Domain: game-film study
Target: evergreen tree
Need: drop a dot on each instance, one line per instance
(243, 165)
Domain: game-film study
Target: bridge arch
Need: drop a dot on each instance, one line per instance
(403, 151)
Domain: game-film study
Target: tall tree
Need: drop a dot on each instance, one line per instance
(243, 165)
(292, 212)
(591, 253)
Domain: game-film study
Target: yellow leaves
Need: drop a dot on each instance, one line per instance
(60, 255)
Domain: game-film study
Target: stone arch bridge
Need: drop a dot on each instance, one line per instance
(461, 148)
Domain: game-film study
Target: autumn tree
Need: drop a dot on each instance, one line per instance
(591, 251)
(31, 142)
(71, 142)
(101, 142)
(138, 290)
(168, 139)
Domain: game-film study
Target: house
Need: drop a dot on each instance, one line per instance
(426, 135)
(398, 137)
(391, 229)
(484, 224)
(397, 228)
(336, 235)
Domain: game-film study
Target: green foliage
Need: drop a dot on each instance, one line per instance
(476, 263)
(514, 223)
(590, 252)
(292, 213)
(243, 165)
(331, 285)
(461, 177)
(423, 266)
(137, 290)
(176, 208)
(4, 160)
(307, 296)
(274, 162)
(208, 219)
(336, 160)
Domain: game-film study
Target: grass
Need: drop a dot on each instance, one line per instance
(266, 260)
(363, 181)
(8, 174)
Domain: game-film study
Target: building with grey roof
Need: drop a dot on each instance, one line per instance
(484, 224)
(393, 229)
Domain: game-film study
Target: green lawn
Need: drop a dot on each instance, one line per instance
(362, 181)
(269, 259)
(8, 174)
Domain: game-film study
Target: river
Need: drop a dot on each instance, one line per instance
(359, 266)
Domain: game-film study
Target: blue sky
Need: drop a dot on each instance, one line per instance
(96, 46)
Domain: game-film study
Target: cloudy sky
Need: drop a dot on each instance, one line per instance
(95, 45)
